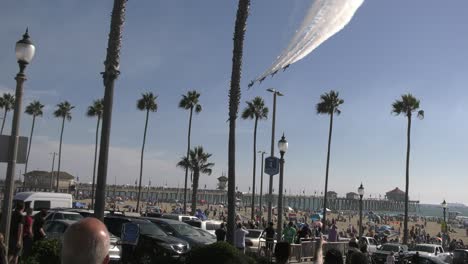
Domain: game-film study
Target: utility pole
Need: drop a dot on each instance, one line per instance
(52, 170)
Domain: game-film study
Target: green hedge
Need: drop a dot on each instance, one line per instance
(45, 251)
(220, 253)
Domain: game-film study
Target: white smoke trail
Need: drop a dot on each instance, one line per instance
(324, 19)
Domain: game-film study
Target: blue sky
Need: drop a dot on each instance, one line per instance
(169, 47)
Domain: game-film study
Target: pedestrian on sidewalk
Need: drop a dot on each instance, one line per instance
(239, 237)
(221, 233)
(27, 233)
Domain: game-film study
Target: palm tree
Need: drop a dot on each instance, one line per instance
(34, 109)
(63, 111)
(95, 110)
(329, 105)
(407, 106)
(7, 102)
(234, 98)
(197, 162)
(146, 103)
(189, 102)
(256, 110)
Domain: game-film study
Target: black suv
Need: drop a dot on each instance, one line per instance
(154, 245)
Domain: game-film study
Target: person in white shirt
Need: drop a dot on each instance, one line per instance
(239, 237)
(390, 258)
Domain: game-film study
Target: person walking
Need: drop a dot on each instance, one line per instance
(27, 233)
(38, 225)
(3, 253)
(221, 233)
(239, 237)
(15, 241)
(289, 233)
(390, 258)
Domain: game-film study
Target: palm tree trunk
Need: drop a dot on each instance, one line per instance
(188, 152)
(196, 178)
(141, 162)
(252, 214)
(29, 147)
(60, 156)
(234, 97)
(95, 161)
(324, 221)
(3, 121)
(405, 223)
(109, 76)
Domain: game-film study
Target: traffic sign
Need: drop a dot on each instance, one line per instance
(272, 165)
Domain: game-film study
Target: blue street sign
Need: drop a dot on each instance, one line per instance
(272, 165)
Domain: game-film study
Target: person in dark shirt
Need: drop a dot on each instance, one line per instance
(38, 225)
(269, 236)
(220, 233)
(15, 241)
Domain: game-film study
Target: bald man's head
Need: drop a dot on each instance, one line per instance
(86, 242)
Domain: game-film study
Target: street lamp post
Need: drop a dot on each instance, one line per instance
(361, 194)
(444, 207)
(261, 185)
(270, 191)
(24, 54)
(283, 147)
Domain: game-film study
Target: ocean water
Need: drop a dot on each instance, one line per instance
(436, 210)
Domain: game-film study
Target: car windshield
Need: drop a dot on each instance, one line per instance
(424, 248)
(254, 234)
(150, 229)
(393, 248)
(74, 217)
(186, 230)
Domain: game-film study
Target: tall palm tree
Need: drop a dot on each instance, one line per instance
(189, 102)
(197, 162)
(407, 106)
(256, 110)
(63, 111)
(329, 105)
(146, 103)
(234, 98)
(34, 109)
(7, 102)
(95, 110)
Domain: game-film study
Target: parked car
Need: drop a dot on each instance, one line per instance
(208, 225)
(55, 229)
(380, 256)
(460, 256)
(423, 258)
(178, 217)
(63, 215)
(370, 242)
(183, 231)
(153, 244)
(431, 249)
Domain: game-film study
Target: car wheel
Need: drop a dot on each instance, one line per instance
(145, 259)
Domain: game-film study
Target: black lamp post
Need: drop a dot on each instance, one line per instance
(270, 191)
(24, 54)
(261, 185)
(361, 194)
(444, 207)
(283, 147)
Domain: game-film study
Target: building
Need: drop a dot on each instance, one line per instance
(352, 196)
(396, 195)
(222, 182)
(332, 195)
(42, 180)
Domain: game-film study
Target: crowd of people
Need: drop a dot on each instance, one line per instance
(24, 232)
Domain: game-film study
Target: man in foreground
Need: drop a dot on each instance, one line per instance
(86, 242)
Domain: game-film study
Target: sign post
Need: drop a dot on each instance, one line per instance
(271, 168)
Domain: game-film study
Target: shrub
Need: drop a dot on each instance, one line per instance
(220, 253)
(45, 251)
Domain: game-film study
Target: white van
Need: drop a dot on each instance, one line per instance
(44, 200)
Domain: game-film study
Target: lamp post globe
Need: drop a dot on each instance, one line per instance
(25, 49)
(283, 147)
(361, 194)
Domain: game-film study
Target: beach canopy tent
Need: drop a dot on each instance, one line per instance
(316, 217)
